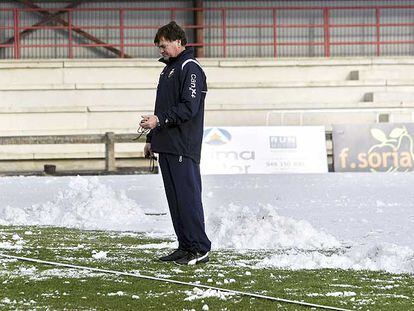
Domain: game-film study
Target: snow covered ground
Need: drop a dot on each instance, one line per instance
(348, 220)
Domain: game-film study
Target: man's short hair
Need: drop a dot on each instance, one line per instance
(171, 32)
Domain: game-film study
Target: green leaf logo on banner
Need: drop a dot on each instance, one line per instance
(379, 135)
(397, 132)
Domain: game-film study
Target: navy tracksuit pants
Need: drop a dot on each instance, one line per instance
(182, 183)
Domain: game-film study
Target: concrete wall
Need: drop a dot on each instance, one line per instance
(96, 96)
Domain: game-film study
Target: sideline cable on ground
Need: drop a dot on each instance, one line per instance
(59, 264)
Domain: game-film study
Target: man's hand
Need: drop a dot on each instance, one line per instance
(147, 150)
(149, 122)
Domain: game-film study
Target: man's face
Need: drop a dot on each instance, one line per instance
(169, 48)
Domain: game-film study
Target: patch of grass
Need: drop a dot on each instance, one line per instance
(33, 286)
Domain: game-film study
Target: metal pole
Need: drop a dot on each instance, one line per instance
(326, 32)
(121, 30)
(274, 33)
(70, 34)
(199, 32)
(223, 25)
(16, 34)
(378, 30)
(110, 165)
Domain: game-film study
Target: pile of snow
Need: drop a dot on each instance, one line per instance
(260, 227)
(86, 204)
(198, 293)
(99, 255)
(298, 244)
(387, 257)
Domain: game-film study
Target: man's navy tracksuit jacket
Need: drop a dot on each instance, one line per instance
(179, 107)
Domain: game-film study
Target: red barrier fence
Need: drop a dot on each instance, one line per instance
(376, 34)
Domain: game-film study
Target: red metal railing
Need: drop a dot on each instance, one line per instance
(65, 18)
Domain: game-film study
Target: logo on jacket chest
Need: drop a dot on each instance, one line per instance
(192, 88)
(171, 73)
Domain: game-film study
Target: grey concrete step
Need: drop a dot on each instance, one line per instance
(396, 73)
(122, 121)
(228, 84)
(218, 70)
(403, 95)
(143, 95)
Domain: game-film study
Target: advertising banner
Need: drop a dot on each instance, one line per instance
(264, 150)
(382, 147)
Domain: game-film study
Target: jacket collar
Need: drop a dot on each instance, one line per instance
(188, 51)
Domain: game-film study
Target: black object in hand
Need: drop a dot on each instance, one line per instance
(151, 157)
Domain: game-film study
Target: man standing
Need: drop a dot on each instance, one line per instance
(176, 135)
